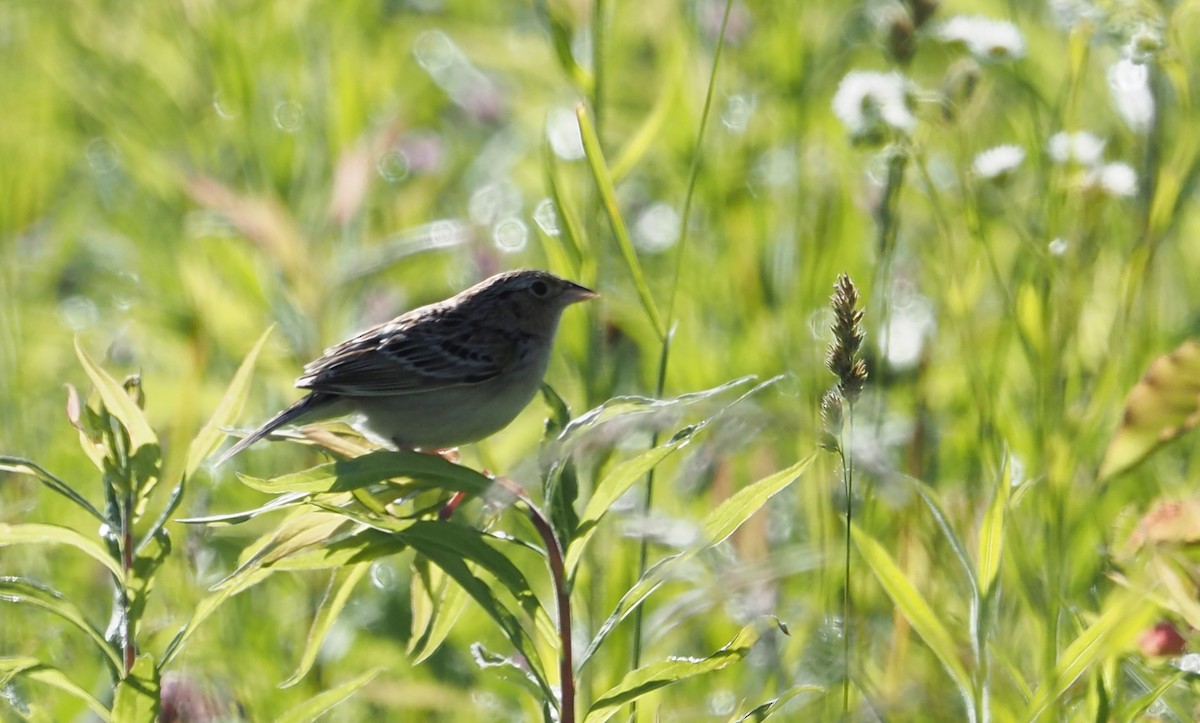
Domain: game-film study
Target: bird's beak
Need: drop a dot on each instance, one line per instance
(575, 292)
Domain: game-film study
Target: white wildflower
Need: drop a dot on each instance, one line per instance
(999, 162)
(1129, 84)
(986, 39)
(867, 102)
(1115, 179)
(1081, 147)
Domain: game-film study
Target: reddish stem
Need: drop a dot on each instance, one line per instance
(566, 665)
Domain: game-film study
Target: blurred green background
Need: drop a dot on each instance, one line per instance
(177, 176)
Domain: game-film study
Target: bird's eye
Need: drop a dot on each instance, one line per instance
(539, 289)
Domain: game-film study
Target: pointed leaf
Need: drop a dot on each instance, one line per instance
(910, 602)
(38, 534)
(27, 592)
(118, 403)
(341, 585)
(35, 670)
(658, 675)
(1107, 637)
(137, 697)
(733, 512)
(321, 703)
(208, 605)
(24, 466)
(454, 566)
(991, 532)
(437, 605)
(210, 435)
(1160, 408)
(609, 490)
(773, 706)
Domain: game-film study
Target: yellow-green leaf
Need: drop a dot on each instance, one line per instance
(228, 409)
(914, 607)
(118, 403)
(733, 512)
(137, 697)
(33, 669)
(658, 675)
(991, 532)
(38, 534)
(320, 703)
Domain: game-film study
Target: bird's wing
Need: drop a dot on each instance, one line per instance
(406, 356)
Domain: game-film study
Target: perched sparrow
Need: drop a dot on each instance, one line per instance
(441, 375)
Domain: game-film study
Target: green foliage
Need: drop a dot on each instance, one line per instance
(1017, 216)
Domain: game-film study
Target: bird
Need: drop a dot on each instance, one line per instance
(442, 375)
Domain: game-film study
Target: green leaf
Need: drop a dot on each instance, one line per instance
(472, 544)
(32, 469)
(943, 523)
(906, 597)
(456, 567)
(35, 670)
(437, 604)
(1161, 407)
(1108, 637)
(562, 36)
(659, 675)
(773, 706)
(208, 605)
(421, 471)
(733, 512)
(341, 585)
(991, 532)
(321, 703)
(508, 670)
(38, 534)
(609, 490)
(27, 592)
(650, 581)
(118, 404)
(137, 697)
(608, 196)
(209, 438)
(236, 518)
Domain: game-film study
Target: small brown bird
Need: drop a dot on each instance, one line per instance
(441, 375)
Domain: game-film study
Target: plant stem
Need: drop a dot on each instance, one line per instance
(562, 598)
(664, 354)
(848, 475)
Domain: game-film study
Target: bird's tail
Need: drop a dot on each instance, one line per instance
(304, 407)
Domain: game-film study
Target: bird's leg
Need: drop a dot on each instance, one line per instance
(451, 455)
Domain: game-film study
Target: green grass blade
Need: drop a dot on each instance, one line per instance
(915, 608)
(991, 532)
(1109, 635)
(26, 592)
(608, 196)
